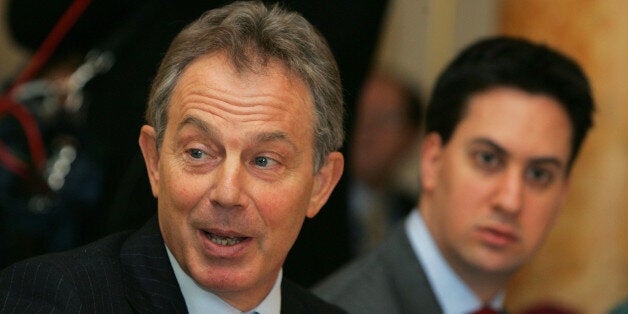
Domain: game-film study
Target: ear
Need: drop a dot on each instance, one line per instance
(325, 181)
(148, 144)
(431, 154)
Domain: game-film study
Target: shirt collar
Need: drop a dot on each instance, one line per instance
(199, 300)
(452, 293)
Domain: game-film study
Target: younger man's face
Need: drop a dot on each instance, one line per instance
(493, 192)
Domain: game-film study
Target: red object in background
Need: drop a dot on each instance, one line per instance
(19, 112)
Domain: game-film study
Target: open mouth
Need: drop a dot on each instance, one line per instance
(223, 240)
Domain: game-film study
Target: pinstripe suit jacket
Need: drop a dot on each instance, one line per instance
(389, 280)
(122, 273)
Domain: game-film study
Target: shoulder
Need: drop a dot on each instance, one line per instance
(295, 299)
(88, 258)
(373, 268)
(389, 279)
(364, 284)
(62, 281)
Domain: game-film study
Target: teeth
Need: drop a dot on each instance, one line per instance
(225, 241)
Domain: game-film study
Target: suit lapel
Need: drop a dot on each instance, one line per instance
(295, 299)
(289, 302)
(149, 279)
(408, 278)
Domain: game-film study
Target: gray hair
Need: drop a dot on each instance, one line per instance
(250, 33)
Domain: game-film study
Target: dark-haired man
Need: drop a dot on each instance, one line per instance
(503, 127)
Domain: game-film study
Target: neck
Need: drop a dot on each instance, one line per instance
(485, 286)
(247, 300)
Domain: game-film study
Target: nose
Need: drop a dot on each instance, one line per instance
(226, 188)
(509, 197)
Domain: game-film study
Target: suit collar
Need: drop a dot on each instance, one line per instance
(198, 299)
(149, 279)
(408, 279)
(453, 293)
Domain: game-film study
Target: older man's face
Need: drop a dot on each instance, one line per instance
(234, 176)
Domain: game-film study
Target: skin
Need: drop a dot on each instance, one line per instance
(237, 166)
(493, 192)
(382, 133)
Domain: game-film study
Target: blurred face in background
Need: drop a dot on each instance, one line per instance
(235, 174)
(382, 132)
(492, 193)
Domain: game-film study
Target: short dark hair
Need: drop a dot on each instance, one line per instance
(511, 62)
(253, 34)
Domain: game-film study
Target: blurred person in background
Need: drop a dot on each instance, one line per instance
(385, 132)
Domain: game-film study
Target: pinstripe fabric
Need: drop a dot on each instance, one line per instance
(122, 273)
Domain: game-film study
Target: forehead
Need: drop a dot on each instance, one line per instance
(212, 84)
(525, 123)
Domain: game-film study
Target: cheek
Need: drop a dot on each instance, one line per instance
(464, 201)
(283, 206)
(539, 219)
(179, 190)
(462, 192)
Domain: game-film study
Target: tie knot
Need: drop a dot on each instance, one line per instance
(485, 310)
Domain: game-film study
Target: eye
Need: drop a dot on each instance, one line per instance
(487, 160)
(196, 153)
(263, 161)
(539, 176)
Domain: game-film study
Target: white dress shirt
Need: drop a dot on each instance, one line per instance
(199, 300)
(452, 293)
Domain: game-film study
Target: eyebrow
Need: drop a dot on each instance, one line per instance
(199, 124)
(271, 136)
(502, 151)
(210, 131)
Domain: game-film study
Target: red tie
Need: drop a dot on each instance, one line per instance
(485, 310)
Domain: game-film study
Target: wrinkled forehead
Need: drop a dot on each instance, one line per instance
(215, 79)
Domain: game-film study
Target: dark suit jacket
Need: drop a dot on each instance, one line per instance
(122, 273)
(389, 280)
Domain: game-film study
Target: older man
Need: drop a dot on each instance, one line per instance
(244, 124)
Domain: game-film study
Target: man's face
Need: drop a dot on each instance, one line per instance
(492, 193)
(234, 176)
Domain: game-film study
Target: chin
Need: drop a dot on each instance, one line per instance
(501, 266)
(498, 263)
(222, 281)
